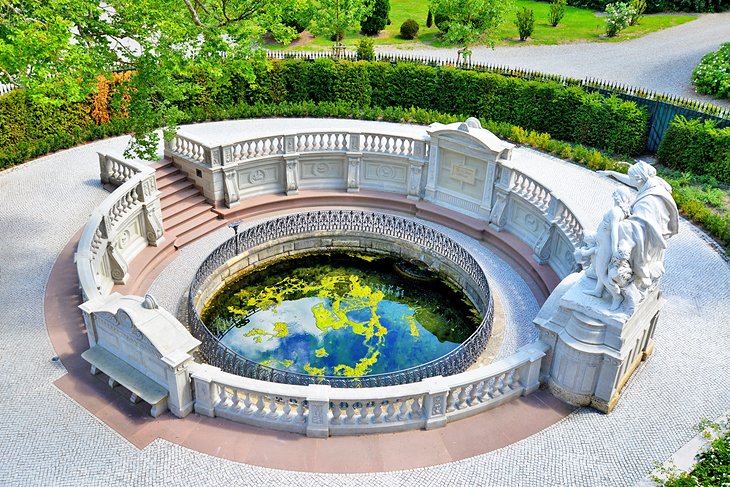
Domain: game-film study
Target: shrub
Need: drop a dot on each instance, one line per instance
(409, 29)
(429, 19)
(712, 74)
(557, 12)
(618, 16)
(697, 146)
(378, 18)
(365, 50)
(638, 7)
(525, 23)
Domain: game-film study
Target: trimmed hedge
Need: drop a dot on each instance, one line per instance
(696, 146)
(567, 113)
(29, 129)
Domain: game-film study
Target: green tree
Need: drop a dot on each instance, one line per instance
(57, 49)
(377, 19)
(336, 17)
(470, 21)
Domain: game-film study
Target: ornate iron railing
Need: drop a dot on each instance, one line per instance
(457, 360)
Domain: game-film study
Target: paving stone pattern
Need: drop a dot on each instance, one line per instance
(47, 439)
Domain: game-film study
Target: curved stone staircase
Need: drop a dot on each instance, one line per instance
(186, 217)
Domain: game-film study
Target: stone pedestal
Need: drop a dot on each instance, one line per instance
(594, 349)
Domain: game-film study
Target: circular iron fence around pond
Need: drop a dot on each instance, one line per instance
(214, 352)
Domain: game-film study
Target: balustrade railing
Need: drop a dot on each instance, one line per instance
(99, 263)
(190, 148)
(532, 191)
(301, 142)
(321, 410)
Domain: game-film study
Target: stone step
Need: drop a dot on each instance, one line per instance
(181, 206)
(165, 171)
(169, 179)
(161, 164)
(178, 195)
(192, 211)
(191, 223)
(198, 231)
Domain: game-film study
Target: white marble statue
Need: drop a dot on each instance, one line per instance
(627, 257)
(584, 254)
(607, 245)
(654, 218)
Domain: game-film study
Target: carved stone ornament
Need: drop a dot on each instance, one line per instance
(437, 408)
(256, 176)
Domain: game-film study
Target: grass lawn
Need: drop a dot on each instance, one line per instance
(577, 25)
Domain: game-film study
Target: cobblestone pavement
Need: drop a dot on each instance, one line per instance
(47, 439)
(661, 61)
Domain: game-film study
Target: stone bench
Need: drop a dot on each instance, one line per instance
(120, 372)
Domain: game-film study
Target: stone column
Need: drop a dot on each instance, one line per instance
(318, 397)
(500, 209)
(206, 391)
(292, 174)
(230, 184)
(180, 400)
(354, 161)
(433, 167)
(435, 403)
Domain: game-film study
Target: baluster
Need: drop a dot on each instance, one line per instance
(363, 419)
(300, 411)
(273, 406)
(462, 398)
(223, 396)
(377, 413)
(286, 411)
(235, 404)
(247, 403)
(473, 392)
(350, 413)
(515, 380)
(390, 411)
(260, 405)
(415, 408)
(498, 384)
(403, 410)
(250, 150)
(483, 388)
(336, 412)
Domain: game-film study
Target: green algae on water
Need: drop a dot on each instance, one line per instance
(341, 314)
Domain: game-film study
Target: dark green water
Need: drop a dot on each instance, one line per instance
(340, 314)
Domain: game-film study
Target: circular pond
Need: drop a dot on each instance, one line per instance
(345, 298)
(341, 314)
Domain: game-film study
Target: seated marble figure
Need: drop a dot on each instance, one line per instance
(627, 258)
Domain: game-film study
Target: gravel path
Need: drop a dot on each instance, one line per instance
(662, 61)
(47, 439)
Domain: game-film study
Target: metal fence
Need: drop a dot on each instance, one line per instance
(457, 360)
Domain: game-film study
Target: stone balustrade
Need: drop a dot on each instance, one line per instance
(458, 166)
(127, 221)
(321, 411)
